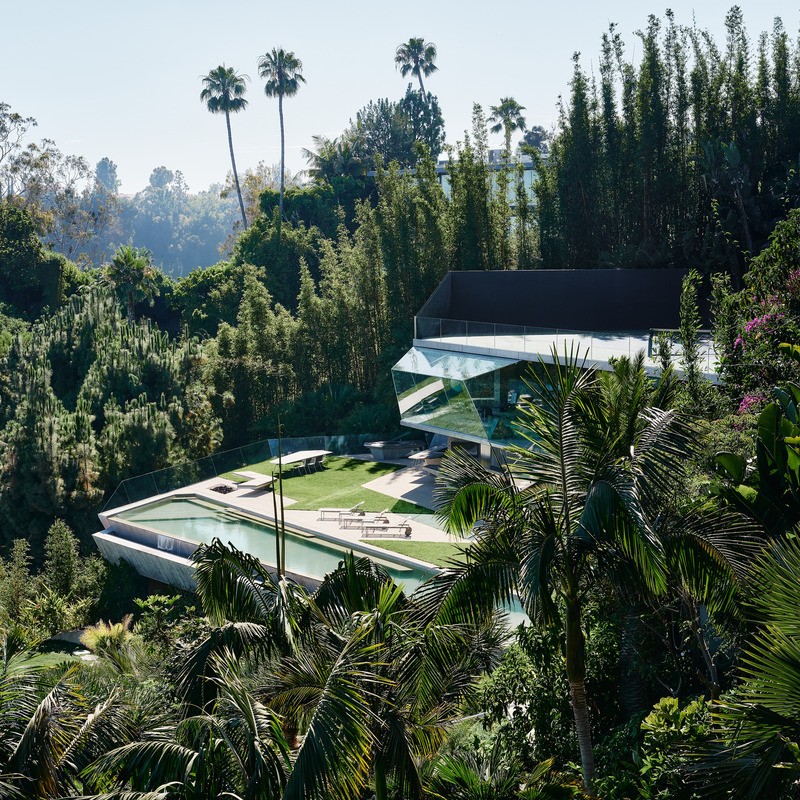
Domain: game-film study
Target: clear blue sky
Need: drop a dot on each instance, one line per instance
(122, 80)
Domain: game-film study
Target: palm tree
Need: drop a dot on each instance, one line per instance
(757, 727)
(416, 56)
(364, 688)
(419, 676)
(283, 72)
(50, 728)
(133, 275)
(507, 118)
(593, 480)
(223, 93)
(234, 748)
(333, 158)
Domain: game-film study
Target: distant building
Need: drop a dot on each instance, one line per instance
(479, 333)
(495, 163)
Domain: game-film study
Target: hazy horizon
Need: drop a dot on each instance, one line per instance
(128, 79)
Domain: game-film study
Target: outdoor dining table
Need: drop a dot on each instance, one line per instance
(300, 457)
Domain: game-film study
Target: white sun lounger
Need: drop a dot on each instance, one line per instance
(360, 520)
(377, 530)
(337, 513)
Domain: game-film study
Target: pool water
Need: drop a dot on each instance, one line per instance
(203, 521)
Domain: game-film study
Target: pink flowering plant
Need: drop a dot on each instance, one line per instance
(760, 327)
(756, 355)
(793, 287)
(751, 324)
(751, 403)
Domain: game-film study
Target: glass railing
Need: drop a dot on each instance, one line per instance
(140, 487)
(595, 345)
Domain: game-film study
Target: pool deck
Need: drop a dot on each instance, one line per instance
(411, 484)
(260, 502)
(179, 570)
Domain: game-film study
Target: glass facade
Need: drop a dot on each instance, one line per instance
(461, 394)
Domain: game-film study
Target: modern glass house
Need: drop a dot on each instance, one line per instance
(480, 333)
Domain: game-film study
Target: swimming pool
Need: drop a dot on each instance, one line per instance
(201, 521)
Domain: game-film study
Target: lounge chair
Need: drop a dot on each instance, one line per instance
(352, 520)
(360, 520)
(377, 530)
(381, 517)
(336, 513)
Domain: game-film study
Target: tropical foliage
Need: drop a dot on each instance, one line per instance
(648, 533)
(607, 452)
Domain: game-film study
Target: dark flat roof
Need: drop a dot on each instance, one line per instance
(580, 299)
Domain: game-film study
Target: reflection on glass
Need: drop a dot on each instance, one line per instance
(462, 394)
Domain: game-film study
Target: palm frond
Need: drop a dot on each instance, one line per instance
(471, 592)
(252, 731)
(334, 759)
(156, 761)
(664, 447)
(712, 552)
(233, 585)
(355, 586)
(196, 679)
(467, 491)
(47, 734)
(399, 755)
(104, 727)
(755, 751)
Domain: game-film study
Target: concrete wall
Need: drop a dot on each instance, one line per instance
(161, 566)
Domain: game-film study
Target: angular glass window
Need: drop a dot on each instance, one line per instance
(436, 391)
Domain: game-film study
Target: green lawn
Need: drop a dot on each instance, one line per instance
(437, 553)
(52, 657)
(339, 485)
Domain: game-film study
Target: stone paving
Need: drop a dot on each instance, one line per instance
(411, 483)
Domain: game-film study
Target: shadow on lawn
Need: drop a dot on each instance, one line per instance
(349, 464)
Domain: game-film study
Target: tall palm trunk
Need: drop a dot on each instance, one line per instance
(632, 689)
(580, 710)
(576, 674)
(235, 173)
(131, 307)
(283, 158)
(381, 791)
(421, 87)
